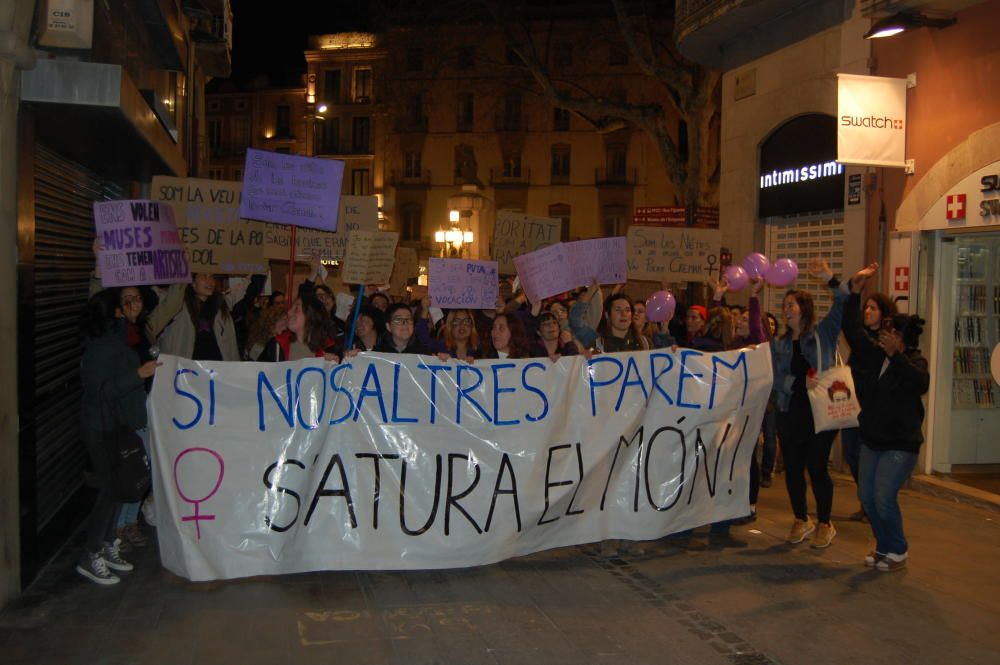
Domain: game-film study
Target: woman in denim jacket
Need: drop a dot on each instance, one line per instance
(794, 356)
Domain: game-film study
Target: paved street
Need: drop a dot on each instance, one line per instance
(769, 603)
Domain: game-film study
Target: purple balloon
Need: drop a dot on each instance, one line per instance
(660, 307)
(782, 272)
(737, 278)
(756, 265)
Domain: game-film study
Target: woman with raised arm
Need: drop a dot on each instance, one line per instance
(203, 329)
(805, 348)
(894, 378)
(615, 331)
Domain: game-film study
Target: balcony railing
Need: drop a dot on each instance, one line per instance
(615, 177)
(519, 178)
(410, 179)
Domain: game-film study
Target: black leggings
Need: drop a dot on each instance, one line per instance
(804, 450)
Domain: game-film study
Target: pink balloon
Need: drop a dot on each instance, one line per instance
(660, 306)
(737, 278)
(782, 272)
(756, 265)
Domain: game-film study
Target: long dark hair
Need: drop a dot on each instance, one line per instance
(98, 316)
(520, 345)
(806, 308)
(884, 303)
(214, 304)
(319, 330)
(604, 327)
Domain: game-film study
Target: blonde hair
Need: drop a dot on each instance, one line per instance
(449, 339)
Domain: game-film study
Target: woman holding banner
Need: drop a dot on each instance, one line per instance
(310, 334)
(508, 338)
(615, 332)
(550, 343)
(804, 347)
(400, 334)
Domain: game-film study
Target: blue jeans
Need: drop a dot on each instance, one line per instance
(881, 474)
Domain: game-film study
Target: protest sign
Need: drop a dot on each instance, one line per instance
(207, 213)
(389, 462)
(517, 234)
(139, 244)
(357, 213)
(558, 268)
(458, 283)
(291, 189)
(370, 255)
(674, 255)
(406, 267)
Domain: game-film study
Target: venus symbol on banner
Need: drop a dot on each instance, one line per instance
(197, 517)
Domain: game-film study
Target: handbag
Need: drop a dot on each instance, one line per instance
(130, 471)
(833, 398)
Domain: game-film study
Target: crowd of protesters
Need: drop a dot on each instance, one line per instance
(124, 330)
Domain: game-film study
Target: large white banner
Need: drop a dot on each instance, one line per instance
(408, 462)
(871, 120)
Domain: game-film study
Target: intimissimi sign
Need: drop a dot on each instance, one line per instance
(798, 168)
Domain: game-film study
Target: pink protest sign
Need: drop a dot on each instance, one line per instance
(291, 189)
(454, 283)
(558, 268)
(138, 243)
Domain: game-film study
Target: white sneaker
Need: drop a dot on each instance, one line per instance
(114, 559)
(891, 563)
(95, 569)
(873, 558)
(149, 510)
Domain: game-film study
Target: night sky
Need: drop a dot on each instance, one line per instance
(269, 37)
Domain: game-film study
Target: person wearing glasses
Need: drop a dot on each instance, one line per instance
(400, 334)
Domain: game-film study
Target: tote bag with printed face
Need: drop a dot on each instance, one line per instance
(833, 398)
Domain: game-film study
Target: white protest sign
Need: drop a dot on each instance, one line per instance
(517, 234)
(390, 462)
(357, 213)
(370, 255)
(406, 267)
(459, 283)
(208, 218)
(558, 268)
(672, 254)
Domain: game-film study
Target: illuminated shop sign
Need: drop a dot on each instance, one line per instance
(802, 174)
(799, 172)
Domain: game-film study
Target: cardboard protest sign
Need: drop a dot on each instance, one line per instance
(139, 244)
(406, 267)
(517, 234)
(370, 255)
(558, 268)
(458, 283)
(473, 463)
(292, 189)
(677, 255)
(357, 213)
(207, 213)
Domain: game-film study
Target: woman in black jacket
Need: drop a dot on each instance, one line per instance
(113, 393)
(893, 381)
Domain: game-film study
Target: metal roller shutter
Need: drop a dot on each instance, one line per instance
(61, 265)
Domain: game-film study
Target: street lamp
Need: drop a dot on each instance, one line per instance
(903, 21)
(452, 239)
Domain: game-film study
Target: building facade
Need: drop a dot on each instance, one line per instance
(108, 95)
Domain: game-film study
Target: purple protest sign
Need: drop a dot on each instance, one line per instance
(454, 283)
(138, 243)
(291, 189)
(558, 268)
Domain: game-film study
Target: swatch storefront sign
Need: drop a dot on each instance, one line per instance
(871, 120)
